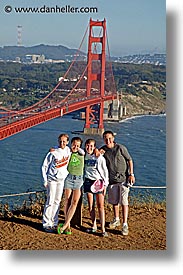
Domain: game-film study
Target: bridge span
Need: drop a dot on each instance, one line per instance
(38, 118)
(56, 105)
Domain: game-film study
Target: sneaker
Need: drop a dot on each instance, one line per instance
(54, 228)
(125, 230)
(91, 230)
(114, 224)
(105, 234)
(48, 229)
(68, 231)
(59, 229)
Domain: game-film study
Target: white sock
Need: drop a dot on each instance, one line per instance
(125, 223)
(117, 219)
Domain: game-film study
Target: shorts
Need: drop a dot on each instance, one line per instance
(118, 193)
(87, 185)
(73, 182)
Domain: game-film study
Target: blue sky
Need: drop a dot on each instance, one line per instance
(133, 26)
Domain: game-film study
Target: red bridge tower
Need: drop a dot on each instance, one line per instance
(93, 76)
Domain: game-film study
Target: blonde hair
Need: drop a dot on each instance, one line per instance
(63, 135)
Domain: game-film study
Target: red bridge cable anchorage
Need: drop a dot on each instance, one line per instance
(37, 103)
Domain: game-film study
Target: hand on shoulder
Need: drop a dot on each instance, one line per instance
(52, 149)
(102, 151)
(81, 151)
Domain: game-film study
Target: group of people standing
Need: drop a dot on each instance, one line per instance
(95, 170)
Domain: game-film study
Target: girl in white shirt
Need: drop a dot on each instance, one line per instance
(54, 171)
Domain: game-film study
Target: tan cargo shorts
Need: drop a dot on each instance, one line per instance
(118, 193)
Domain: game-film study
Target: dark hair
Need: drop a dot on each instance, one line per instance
(90, 140)
(108, 132)
(76, 139)
(63, 135)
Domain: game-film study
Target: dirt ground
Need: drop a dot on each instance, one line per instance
(147, 231)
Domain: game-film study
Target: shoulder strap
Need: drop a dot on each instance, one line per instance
(119, 149)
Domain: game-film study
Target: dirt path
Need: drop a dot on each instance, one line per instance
(147, 231)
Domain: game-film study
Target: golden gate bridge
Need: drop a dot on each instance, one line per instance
(93, 87)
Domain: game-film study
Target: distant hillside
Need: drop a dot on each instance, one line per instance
(52, 52)
(147, 99)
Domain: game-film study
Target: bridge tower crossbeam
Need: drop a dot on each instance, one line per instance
(92, 76)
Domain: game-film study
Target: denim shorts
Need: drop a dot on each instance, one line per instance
(87, 185)
(73, 182)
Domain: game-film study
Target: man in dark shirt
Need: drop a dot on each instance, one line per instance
(120, 167)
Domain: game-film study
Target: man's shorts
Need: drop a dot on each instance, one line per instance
(73, 182)
(118, 193)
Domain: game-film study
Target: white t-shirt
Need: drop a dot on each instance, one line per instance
(95, 168)
(55, 164)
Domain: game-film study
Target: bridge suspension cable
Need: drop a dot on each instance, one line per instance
(71, 92)
(22, 111)
(25, 110)
(56, 103)
(110, 63)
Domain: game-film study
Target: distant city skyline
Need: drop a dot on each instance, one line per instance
(133, 26)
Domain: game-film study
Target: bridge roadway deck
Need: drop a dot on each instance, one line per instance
(33, 120)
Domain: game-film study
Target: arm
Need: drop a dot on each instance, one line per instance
(102, 151)
(126, 155)
(102, 168)
(99, 152)
(52, 149)
(106, 174)
(45, 167)
(81, 152)
(131, 177)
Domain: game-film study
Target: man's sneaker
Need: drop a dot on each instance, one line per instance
(125, 230)
(114, 224)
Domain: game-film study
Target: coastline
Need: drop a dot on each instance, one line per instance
(122, 119)
(140, 115)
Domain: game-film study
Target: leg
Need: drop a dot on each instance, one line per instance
(72, 208)
(116, 211)
(125, 213)
(56, 204)
(114, 199)
(124, 200)
(91, 206)
(68, 194)
(48, 209)
(100, 205)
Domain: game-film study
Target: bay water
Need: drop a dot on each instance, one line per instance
(21, 155)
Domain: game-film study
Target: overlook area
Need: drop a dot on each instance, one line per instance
(24, 231)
